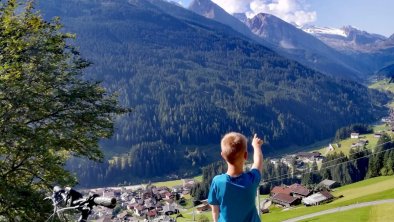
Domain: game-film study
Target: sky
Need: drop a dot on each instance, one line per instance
(374, 16)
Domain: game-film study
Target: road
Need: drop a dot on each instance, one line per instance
(340, 209)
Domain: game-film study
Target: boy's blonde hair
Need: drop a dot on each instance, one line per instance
(233, 146)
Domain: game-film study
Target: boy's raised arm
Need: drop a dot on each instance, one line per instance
(257, 153)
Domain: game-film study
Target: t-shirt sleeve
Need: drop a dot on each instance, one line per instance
(212, 195)
(255, 176)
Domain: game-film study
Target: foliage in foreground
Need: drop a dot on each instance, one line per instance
(47, 111)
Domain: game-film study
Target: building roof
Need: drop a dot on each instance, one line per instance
(308, 154)
(327, 182)
(327, 194)
(152, 213)
(317, 198)
(299, 189)
(280, 189)
(284, 198)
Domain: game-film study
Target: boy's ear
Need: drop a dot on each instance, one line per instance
(246, 155)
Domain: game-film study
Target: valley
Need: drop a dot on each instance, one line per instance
(130, 99)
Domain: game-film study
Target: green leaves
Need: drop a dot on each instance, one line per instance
(47, 111)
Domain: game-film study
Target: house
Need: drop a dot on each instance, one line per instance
(132, 206)
(147, 194)
(318, 198)
(329, 184)
(163, 193)
(308, 157)
(280, 189)
(299, 191)
(354, 135)
(274, 161)
(332, 147)
(377, 135)
(285, 200)
(177, 189)
(151, 214)
(188, 183)
(168, 195)
(140, 210)
(288, 160)
(170, 209)
(359, 144)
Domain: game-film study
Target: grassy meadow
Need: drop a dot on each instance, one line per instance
(368, 190)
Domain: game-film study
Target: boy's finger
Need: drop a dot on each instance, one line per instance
(255, 136)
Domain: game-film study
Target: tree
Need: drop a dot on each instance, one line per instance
(48, 112)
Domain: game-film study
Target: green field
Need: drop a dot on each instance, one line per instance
(172, 183)
(368, 190)
(378, 213)
(378, 188)
(383, 85)
(345, 145)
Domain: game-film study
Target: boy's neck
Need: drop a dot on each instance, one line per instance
(235, 170)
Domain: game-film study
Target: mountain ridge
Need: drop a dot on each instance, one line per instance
(324, 59)
(189, 80)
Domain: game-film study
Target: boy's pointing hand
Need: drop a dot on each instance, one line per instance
(257, 142)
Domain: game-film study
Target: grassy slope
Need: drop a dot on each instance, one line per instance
(383, 85)
(368, 190)
(378, 213)
(172, 183)
(346, 144)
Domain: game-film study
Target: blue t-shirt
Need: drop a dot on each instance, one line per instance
(236, 196)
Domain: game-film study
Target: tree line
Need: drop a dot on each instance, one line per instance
(360, 164)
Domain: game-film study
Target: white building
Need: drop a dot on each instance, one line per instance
(354, 135)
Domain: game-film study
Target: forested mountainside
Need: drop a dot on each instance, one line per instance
(189, 80)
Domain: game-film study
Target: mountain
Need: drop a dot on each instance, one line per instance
(210, 10)
(386, 72)
(190, 80)
(303, 47)
(373, 51)
(284, 38)
(346, 38)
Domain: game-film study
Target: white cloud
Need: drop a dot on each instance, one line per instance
(234, 6)
(293, 11)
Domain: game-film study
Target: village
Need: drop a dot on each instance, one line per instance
(162, 203)
(143, 202)
(151, 203)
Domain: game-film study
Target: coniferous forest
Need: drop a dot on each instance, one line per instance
(189, 80)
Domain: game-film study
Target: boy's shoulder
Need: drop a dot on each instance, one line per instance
(249, 173)
(220, 177)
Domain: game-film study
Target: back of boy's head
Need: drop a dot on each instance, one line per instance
(233, 147)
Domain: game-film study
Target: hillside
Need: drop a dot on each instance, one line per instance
(378, 188)
(189, 80)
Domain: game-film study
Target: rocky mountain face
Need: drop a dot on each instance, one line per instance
(346, 52)
(210, 10)
(303, 47)
(372, 51)
(285, 39)
(347, 38)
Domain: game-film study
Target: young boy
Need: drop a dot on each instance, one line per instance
(232, 195)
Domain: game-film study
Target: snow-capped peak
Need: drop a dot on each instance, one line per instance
(325, 31)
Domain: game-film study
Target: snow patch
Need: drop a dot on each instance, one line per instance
(325, 31)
